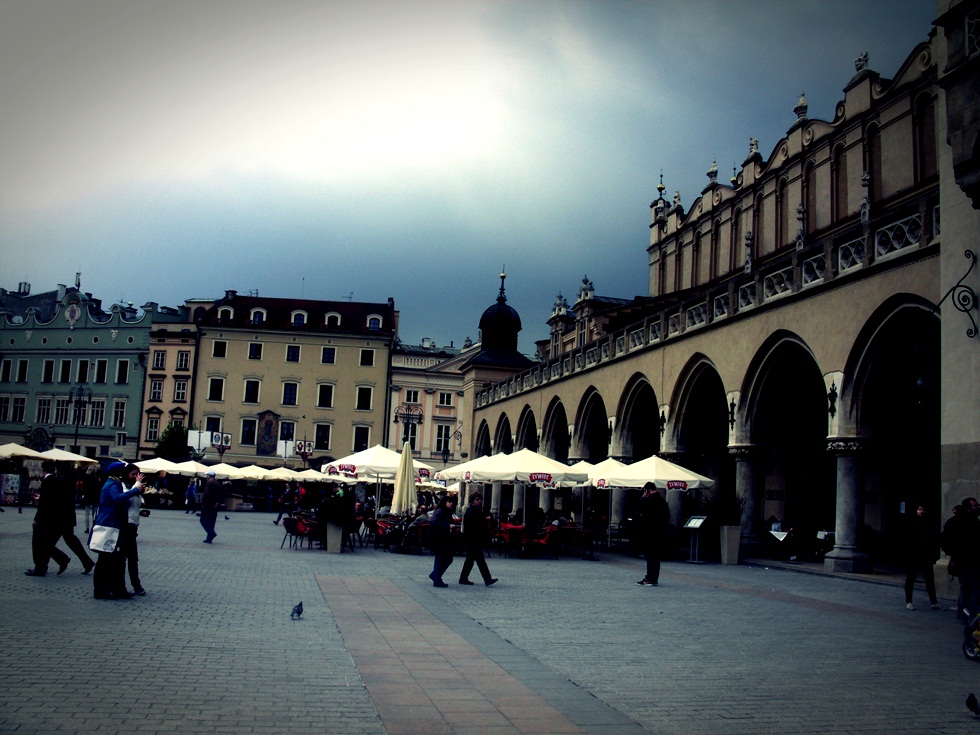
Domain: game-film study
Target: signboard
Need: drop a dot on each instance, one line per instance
(695, 521)
(220, 440)
(304, 447)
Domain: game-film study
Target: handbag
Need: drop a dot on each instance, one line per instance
(103, 538)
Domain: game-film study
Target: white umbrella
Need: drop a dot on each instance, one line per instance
(524, 465)
(462, 470)
(378, 462)
(657, 470)
(281, 473)
(224, 471)
(157, 464)
(404, 499)
(316, 476)
(60, 455)
(190, 468)
(255, 472)
(8, 451)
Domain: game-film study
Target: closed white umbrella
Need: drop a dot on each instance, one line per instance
(404, 499)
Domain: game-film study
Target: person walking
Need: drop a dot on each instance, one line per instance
(128, 534)
(654, 517)
(47, 525)
(93, 488)
(922, 552)
(190, 496)
(440, 540)
(109, 578)
(66, 506)
(476, 534)
(212, 498)
(961, 542)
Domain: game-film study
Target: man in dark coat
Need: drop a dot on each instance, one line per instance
(476, 534)
(66, 503)
(214, 495)
(440, 540)
(654, 517)
(48, 524)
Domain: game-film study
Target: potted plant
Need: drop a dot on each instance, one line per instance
(725, 508)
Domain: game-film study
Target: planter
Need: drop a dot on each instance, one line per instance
(335, 538)
(731, 537)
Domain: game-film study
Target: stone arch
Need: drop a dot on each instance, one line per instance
(527, 430)
(891, 396)
(592, 433)
(785, 418)
(555, 441)
(481, 444)
(503, 440)
(700, 430)
(637, 434)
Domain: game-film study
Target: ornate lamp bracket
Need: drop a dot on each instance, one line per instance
(964, 297)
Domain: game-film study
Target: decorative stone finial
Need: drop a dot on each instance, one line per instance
(801, 107)
(861, 62)
(713, 173)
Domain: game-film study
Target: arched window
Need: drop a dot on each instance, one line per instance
(226, 314)
(715, 263)
(332, 320)
(735, 254)
(925, 138)
(258, 316)
(298, 318)
(696, 260)
(839, 182)
(374, 322)
(782, 214)
(872, 147)
(758, 227)
(809, 199)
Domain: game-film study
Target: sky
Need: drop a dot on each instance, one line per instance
(394, 148)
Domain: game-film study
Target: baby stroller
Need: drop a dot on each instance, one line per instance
(971, 639)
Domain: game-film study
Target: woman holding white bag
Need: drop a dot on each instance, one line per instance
(109, 576)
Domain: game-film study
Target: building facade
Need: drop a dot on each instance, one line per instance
(168, 389)
(790, 343)
(292, 370)
(72, 373)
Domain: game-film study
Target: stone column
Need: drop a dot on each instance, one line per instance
(546, 499)
(675, 502)
(517, 501)
(747, 486)
(845, 556)
(618, 510)
(493, 502)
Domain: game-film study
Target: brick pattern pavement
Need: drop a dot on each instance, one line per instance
(211, 648)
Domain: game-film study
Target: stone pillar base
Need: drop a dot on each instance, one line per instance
(847, 561)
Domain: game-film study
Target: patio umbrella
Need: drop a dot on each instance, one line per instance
(316, 476)
(281, 473)
(378, 462)
(255, 472)
(7, 451)
(404, 499)
(157, 464)
(190, 468)
(657, 470)
(462, 470)
(525, 466)
(60, 455)
(224, 471)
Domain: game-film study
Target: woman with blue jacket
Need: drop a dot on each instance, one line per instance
(110, 567)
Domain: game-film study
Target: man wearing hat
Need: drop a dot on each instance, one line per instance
(212, 498)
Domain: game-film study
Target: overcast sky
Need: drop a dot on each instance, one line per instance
(334, 150)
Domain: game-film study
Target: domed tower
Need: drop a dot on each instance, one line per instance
(499, 327)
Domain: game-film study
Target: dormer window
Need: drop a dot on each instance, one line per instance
(333, 319)
(298, 318)
(374, 322)
(226, 314)
(258, 316)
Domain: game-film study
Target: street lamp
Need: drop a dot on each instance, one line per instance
(79, 397)
(408, 416)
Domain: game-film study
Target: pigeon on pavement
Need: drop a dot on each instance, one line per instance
(972, 705)
(298, 612)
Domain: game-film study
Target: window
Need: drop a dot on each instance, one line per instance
(5, 366)
(443, 434)
(101, 371)
(249, 429)
(445, 398)
(252, 391)
(17, 409)
(322, 439)
(216, 389)
(180, 391)
(212, 424)
(362, 435)
(287, 431)
(367, 358)
(122, 372)
(328, 355)
(292, 353)
(159, 360)
(374, 323)
(365, 394)
(96, 413)
(324, 395)
(22, 371)
(4, 408)
(219, 348)
(333, 320)
(410, 435)
(258, 316)
(61, 408)
(298, 318)
(226, 314)
(119, 413)
(255, 351)
(64, 372)
(47, 372)
(120, 438)
(43, 415)
(289, 393)
(78, 413)
(156, 390)
(176, 422)
(83, 371)
(411, 396)
(152, 428)
(184, 360)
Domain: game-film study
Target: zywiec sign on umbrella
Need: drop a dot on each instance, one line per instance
(539, 477)
(676, 485)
